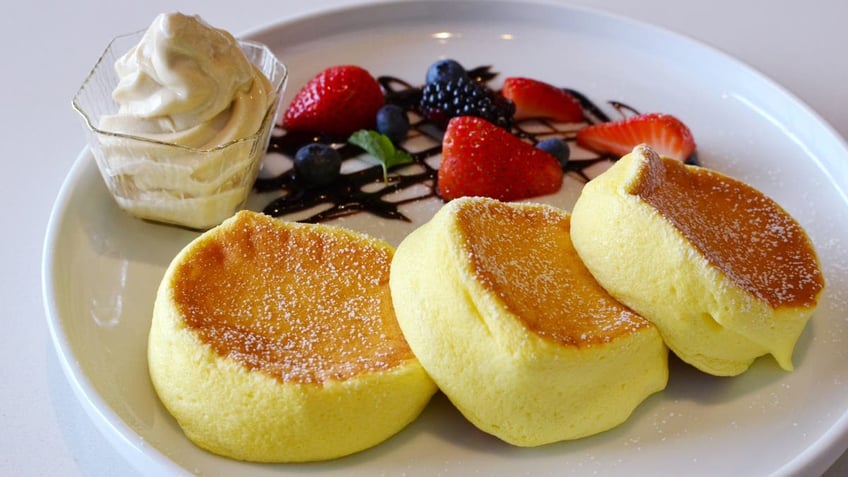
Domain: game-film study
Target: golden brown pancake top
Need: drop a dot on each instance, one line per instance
(299, 304)
(753, 241)
(524, 255)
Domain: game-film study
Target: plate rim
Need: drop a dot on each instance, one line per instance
(818, 456)
(107, 421)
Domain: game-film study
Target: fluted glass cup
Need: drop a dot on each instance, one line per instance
(168, 182)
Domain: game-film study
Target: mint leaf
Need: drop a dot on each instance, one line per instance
(380, 150)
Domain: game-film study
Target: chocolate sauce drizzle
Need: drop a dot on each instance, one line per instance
(346, 195)
(364, 190)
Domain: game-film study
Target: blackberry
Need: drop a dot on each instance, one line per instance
(443, 100)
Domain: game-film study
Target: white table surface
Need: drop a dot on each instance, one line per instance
(47, 49)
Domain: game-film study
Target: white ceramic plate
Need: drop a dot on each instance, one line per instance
(101, 267)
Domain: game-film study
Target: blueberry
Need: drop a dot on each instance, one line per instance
(445, 70)
(557, 148)
(393, 122)
(317, 164)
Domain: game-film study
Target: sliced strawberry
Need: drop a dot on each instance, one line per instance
(481, 159)
(664, 133)
(337, 101)
(537, 99)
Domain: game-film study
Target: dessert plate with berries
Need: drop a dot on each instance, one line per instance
(441, 94)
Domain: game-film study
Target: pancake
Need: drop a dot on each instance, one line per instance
(277, 342)
(722, 270)
(498, 308)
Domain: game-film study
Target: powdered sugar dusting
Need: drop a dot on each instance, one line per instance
(523, 254)
(753, 241)
(296, 302)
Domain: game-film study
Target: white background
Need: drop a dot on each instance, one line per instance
(47, 49)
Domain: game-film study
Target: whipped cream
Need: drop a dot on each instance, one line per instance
(188, 85)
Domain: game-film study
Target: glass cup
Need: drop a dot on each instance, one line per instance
(168, 182)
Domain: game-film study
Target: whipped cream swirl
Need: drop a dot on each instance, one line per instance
(188, 83)
(194, 116)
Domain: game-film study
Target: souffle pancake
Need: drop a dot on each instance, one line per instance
(502, 314)
(722, 270)
(274, 341)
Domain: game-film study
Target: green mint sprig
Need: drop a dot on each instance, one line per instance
(380, 150)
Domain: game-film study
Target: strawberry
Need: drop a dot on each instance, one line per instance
(536, 99)
(337, 101)
(481, 159)
(664, 133)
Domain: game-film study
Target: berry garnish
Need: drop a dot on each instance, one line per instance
(443, 100)
(664, 133)
(445, 70)
(380, 149)
(336, 102)
(317, 164)
(475, 160)
(393, 122)
(536, 99)
(557, 148)
(482, 159)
